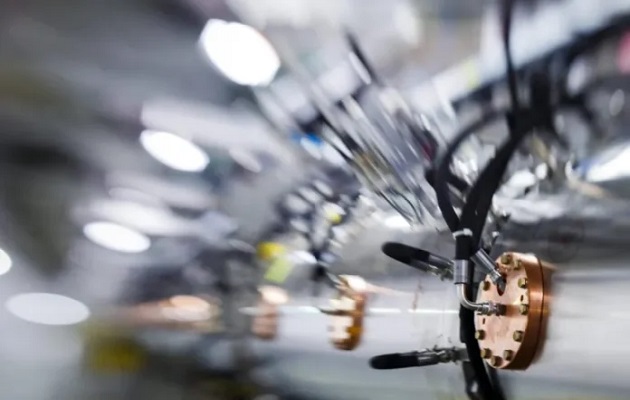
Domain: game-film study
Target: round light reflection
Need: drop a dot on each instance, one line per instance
(47, 309)
(174, 151)
(116, 237)
(239, 52)
(5, 262)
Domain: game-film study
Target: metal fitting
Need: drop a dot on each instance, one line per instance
(482, 259)
(508, 355)
(450, 354)
(518, 336)
(495, 361)
(440, 262)
(485, 353)
(486, 308)
(522, 283)
(523, 309)
(499, 309)
(480, 334)
(461, 271)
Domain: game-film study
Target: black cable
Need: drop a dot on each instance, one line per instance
(479, 199)
(475, 211)
(360, 54)
(443, 168)
(455, 181)
(487, 389)
(467, 326)
(473, 217)
(507, 48)
(480, 196)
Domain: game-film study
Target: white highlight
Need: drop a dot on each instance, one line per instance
(174, 151)
(303, 257)
(116, 237)
(397, 221)
(614, 168)
(274, 295)
(5, 262)
(47, 309)
(239, 52)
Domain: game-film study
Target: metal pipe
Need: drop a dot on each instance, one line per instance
(461, 273)
(463, 299)
(487, 308)
(482, 259)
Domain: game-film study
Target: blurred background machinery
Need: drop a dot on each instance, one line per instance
(194, 195)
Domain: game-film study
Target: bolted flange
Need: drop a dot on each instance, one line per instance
(516, 334)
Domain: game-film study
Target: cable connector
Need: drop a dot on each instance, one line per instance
(461, 271)
(422, 358)
(482, 259)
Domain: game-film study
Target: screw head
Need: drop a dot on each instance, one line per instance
(485, 353)
(480, 334)
(508, 355)
(523, 309)
(495, 361)
(522, 283)
(518, 336)
(485, 285)
(506, 259)
(518, 265)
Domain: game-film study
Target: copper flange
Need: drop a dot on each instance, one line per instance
(347, 313)
(512, 340)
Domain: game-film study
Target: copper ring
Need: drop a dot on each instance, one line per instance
(512, 340)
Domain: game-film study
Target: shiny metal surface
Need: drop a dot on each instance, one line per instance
(483, 308)
(79, 84)
(461, 271)
(392, 146)
(585, 354)
(586, 349)
(481, 259)
(409, 319)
